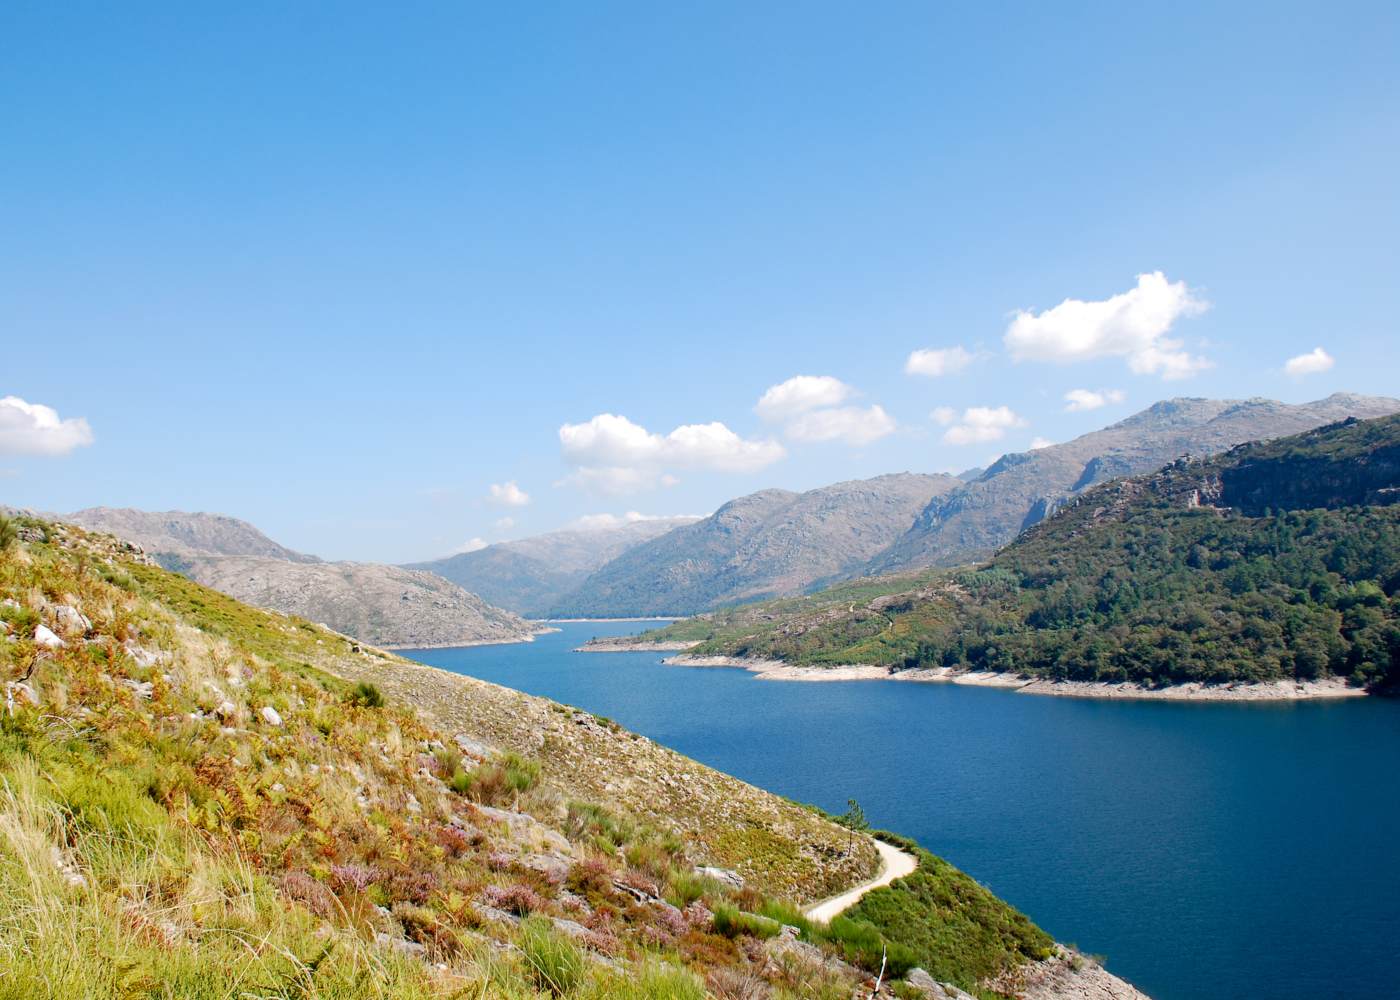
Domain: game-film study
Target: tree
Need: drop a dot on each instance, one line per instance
(853, 819)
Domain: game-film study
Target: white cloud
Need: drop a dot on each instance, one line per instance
(1039, 442)
(1315, 361)
(476, 544)
(508, 494)
(944, 415)
(598, 522)
(800, 394)
(1132, 325)
(612, 454)
(1078, 400)
(35, 429)
(981, 423)
(505, 523)
(854, 425)
(935, 362)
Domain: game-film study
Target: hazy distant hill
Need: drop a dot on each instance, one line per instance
(382, 605)
(765, 544)
(175, 531)
(531, 576)
(1022, 489)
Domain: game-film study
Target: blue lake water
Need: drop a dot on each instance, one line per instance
(1208, 850)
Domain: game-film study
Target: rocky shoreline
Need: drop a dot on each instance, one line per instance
(777, 670)
(626, 644)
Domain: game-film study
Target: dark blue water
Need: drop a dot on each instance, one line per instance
(1208, 850)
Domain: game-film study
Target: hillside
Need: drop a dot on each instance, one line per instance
(1019, 490)
(198, 798)
(378, 604)
(1275, 561)
(532, 576)
(765, 544)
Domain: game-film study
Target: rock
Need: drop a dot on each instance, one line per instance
(552, 866)
(70, 619)
(270, 716)
(471, 747)
(570, 928)
(401, 945)
(724, 875)
(46, 637)
(142, 689)
(932, 988)
(226, 710)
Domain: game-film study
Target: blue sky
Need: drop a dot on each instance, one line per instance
(341, 269)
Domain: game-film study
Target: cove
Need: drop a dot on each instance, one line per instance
(1209, 850)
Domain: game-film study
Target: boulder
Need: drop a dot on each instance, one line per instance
(724, 875)
(270, 716)
(46, 637)
(69, 619)
(932, 988)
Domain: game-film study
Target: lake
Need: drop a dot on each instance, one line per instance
(1207, 850)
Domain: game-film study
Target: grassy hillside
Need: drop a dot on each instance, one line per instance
(1276, 560)
(200, 799)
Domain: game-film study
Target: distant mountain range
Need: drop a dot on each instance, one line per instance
(536, 576)
(378, 604)
(1277, 561)
(762, 545)
(1022, 489)
(772, 543)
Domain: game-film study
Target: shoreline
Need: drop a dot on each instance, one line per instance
(1267, 691)
(572, 621)
(470, 643)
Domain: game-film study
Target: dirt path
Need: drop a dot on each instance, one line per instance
(894, 864)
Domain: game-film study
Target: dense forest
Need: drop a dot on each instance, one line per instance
(1274, 560)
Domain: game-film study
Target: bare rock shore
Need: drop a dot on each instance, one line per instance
(1282, 690)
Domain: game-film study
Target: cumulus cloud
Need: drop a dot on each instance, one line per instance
(1039, 442)
(599, 522)
(800, 394)
(808, 407)
(474, 545)
(505, 523)
(855, 425)
(1315, 361)
(35, 429)
(1078, 400)
(936, 362)
(1132, 325)
(508, 494)
(944, 415)
(612, 454)
(978, 424)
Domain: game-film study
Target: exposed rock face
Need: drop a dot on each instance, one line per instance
(531, 576)
(382, 605)
(766, 544)
(1020, 490)
(1065, 976)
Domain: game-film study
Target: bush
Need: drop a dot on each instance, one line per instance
(9, 532)
(862, 944)
(731, 921)
(366, 695)
(554, 963)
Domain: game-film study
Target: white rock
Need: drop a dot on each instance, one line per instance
(46, 637)
(70, 619)
(226, 710)
(270, 716)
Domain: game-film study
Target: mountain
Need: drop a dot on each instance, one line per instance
(1276, 561)
(768, 543)
(1022, 489)
(382, 605)
(531, 576)
(180, 533)
(199, 798)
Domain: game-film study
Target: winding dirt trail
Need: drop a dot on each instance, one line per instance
(894, 864)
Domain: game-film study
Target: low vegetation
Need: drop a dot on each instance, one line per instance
(198, 799)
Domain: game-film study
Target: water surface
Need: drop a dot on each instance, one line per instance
(1208, 850)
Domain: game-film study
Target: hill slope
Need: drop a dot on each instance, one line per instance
(768, 543)
(379, 604)
(531, 576)
(1275, 561)
(1022, 489)
(200, 799)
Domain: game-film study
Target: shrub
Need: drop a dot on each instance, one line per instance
(732, 922)
(554, 963)
(9, 532)
(366, 695)
(862, 944)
